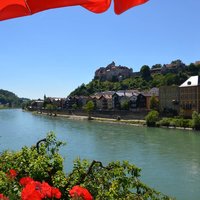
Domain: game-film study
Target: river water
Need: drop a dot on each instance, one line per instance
(170, 159)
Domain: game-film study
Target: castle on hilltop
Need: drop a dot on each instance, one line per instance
(113, 73)
(117, 73)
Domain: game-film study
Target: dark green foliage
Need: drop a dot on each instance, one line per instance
(81, 90)
(154, 103)
(51, 107)
(193, 69)
(164, 122)
(74, 106)
(196, 120)
(175, 122)
(89, 107)
(152, 117)
(182, 123)
(145, 72)
(125, 105)
(10, 99)
(26, 104)
(170, 79)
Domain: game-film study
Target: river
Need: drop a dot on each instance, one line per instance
(170, 159)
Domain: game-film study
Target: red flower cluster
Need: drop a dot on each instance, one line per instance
(12, 173)
(25, 180)
(79, 192)
(34, 190)
(2, 197)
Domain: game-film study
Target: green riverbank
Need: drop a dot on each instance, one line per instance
(133, 122)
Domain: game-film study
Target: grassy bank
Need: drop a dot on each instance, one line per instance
(175, 123)
(99, 119)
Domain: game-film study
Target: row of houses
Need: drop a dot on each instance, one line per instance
(108, 100)
(111, 100)
(183, 99)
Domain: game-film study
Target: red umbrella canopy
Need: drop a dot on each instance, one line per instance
(18, 8)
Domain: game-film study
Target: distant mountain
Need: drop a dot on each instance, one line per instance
(114, 78)
(10, 99)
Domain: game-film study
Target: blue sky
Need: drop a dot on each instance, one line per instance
(55, 51)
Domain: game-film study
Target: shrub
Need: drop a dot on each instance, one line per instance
(152, 117)
(196, 120)
(164, 122)
(175, 122)
(154, 103)
(182, 122)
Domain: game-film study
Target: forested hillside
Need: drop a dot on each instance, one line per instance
(158, 75)
(9, 99)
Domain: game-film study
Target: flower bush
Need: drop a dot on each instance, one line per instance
(36, 173)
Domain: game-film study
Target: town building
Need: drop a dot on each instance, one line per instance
(37, 104)
(113, 73)
(134, 98)
(169, 97)
(149, 94)
(58, 102)
(70, 101)
(190, 96)
(156, 70)
(103, 100)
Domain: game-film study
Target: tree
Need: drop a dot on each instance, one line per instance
(154, 103)
(125, 105)
(9, 98)
(196, 120)
(170, 79)
(81, 90)
(51, 107)
(177, 62)
(89, 107)
(193, 69)
(74, 106)
(152, 117)
(26, 104)
(145, 72)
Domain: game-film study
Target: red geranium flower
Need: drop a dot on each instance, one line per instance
(55, 192)
(2, 197)
(12, 173)
(78, 191)
(46, 190)
(32, 191)
(35, 190)
(25, 180)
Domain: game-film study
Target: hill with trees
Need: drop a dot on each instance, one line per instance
(157, 75)
(9, 99)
